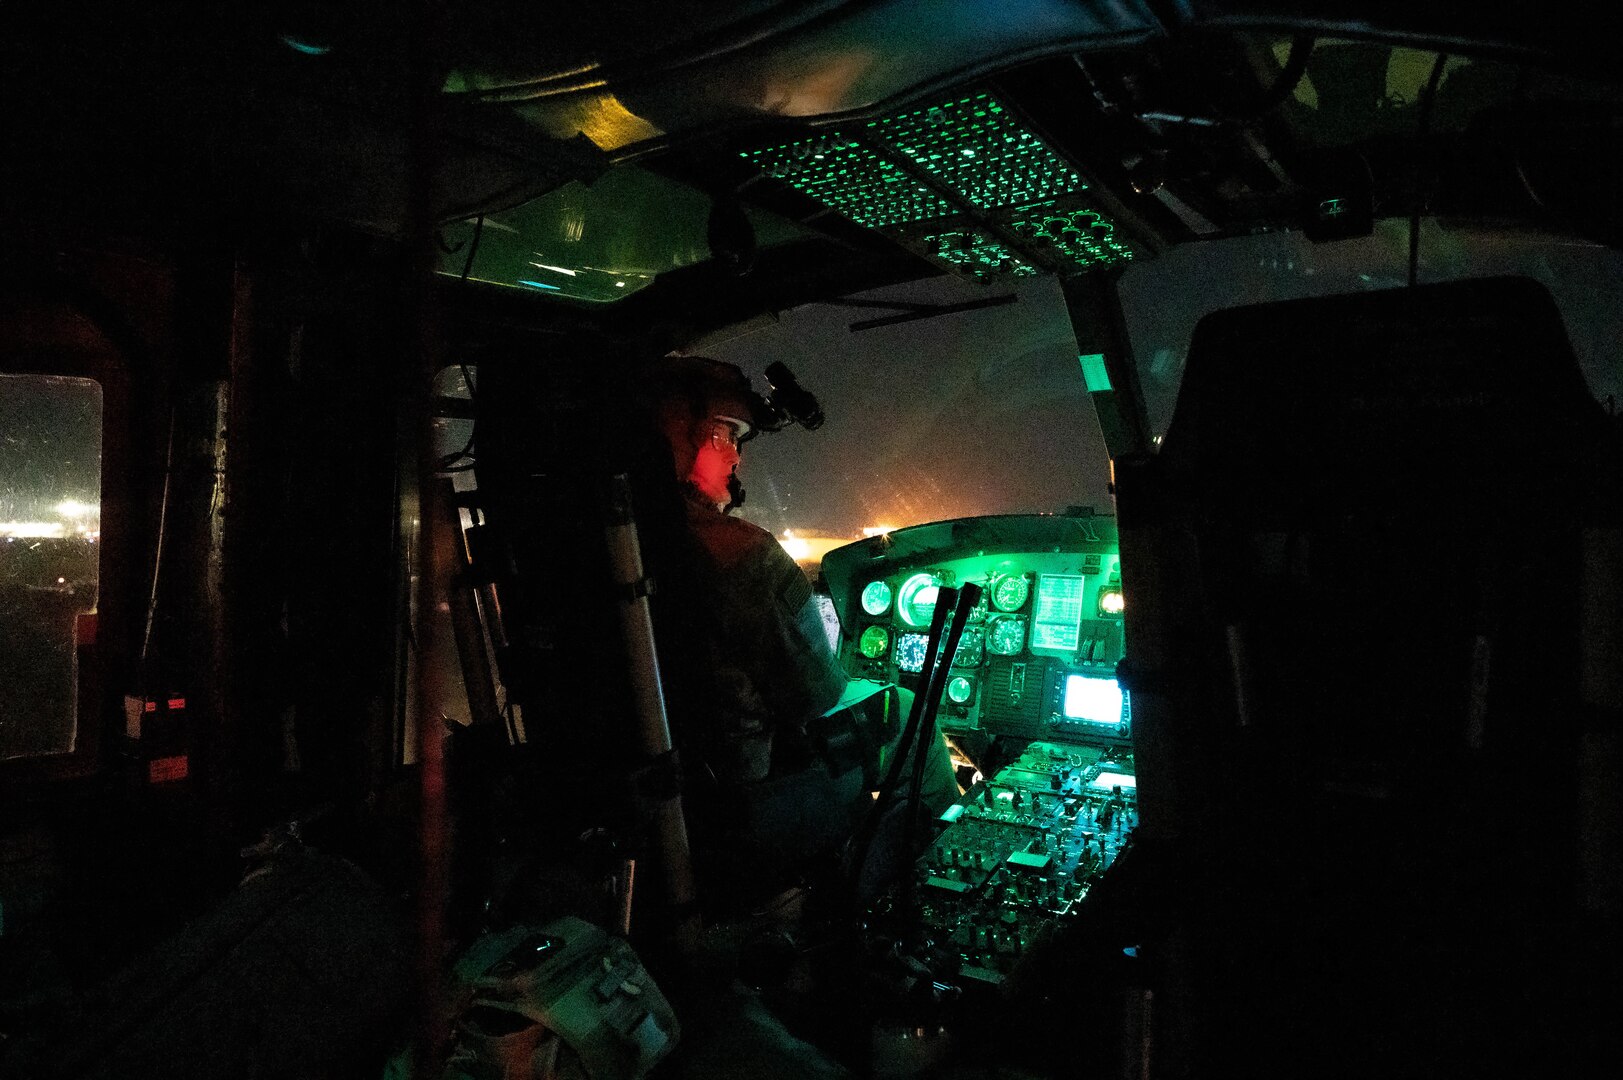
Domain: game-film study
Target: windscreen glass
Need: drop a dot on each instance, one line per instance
(50, 533)
(976, 412)
(1164, 298)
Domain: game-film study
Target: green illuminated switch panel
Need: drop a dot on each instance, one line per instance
(962, 182)
(1079, 234)
(847, 176)
(974, 147)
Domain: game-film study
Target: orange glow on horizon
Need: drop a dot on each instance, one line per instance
(809, 550)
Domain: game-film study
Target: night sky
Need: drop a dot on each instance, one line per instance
(50, 445)
(982, 412)
(1166, 297)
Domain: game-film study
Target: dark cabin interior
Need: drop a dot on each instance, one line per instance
(347, 610)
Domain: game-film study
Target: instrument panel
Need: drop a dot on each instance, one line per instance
(1021, 852)
(1038, 657)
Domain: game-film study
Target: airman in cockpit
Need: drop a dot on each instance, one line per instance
(793, 743)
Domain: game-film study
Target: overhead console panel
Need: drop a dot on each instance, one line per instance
(964, 182)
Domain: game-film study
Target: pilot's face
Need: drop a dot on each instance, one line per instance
(716, 459)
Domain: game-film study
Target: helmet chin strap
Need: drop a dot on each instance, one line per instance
(735, 489)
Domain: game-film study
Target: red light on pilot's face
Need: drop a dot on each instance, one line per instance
(711, 468)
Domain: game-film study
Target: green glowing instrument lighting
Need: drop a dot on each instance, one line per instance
(915, 600)
(852, 178)
(1095, 375)
(976, 250)
(1079, 234)
(1006, 636)
(876, 598)
(910, 652)
(964, 182)
(1111, 602)
(971, 647)
(977, 149)
(960, 690)
(874, 642)
(1058, 619)
(1009, 592)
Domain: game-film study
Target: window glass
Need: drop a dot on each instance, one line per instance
(976, 412)
(1164, 298)
(599, 242)
(50, 528)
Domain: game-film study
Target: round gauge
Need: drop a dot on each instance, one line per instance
(1010, 592)
(910, 652)
(977, 614)
(874, 642)
(971, 647)
(1006, 636)
(1111, 602)
(960, 690)
(876, 598)
(915, 600)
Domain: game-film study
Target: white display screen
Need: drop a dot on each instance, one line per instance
(1096, 700)
(1057, 622)
(1107, 780)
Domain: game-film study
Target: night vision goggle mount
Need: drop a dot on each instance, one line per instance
(787, 402)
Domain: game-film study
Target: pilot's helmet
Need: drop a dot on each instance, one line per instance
(686, 395)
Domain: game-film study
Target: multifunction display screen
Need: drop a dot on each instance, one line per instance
(1097, 701)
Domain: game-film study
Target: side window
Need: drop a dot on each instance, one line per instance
(50, 532)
